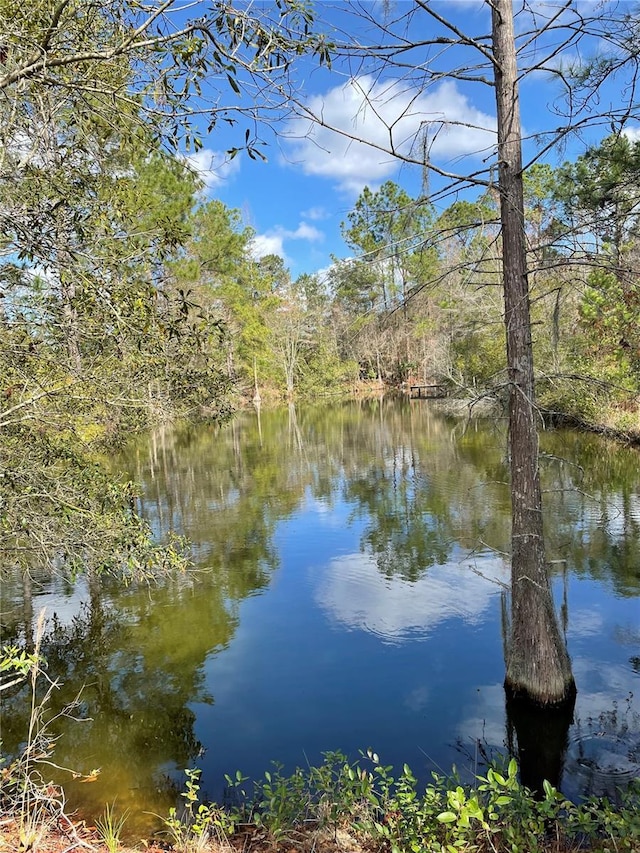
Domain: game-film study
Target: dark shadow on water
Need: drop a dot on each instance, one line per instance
(539, 738)
(597, 757)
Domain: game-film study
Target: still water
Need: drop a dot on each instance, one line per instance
(350, 583)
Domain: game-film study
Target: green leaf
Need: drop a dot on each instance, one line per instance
(549, 790)
(447, 817)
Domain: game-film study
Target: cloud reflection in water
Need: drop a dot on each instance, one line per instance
(353, 592)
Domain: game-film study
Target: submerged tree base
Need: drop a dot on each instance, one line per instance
(555, 689)
(538, 666)
(541, 738)
(527, 695)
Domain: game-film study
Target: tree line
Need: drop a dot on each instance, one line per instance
(156, 299)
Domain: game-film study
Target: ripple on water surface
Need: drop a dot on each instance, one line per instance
(602, 764)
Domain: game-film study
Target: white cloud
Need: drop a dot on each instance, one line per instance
(304, 231)
(213, 167)
(267, 244)
(372, 112)
(272, 242)
(316, 214)
(632, 133)
(322, 275)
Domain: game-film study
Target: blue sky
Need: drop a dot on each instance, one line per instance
(296, 200)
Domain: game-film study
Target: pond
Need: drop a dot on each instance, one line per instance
(349, 592)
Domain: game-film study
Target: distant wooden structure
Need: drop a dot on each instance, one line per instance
(428, 392)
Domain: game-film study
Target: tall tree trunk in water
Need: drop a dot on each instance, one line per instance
(538, 666)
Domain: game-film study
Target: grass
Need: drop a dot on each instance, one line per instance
(109, 827)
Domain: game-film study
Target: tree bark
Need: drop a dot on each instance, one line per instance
(538, 666)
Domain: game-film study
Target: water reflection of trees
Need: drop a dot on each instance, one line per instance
(135, 668)
(420, 494)
(420, 482)
(421, 487)
(593, 507)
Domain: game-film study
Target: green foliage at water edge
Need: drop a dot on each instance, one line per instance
(393, 812)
